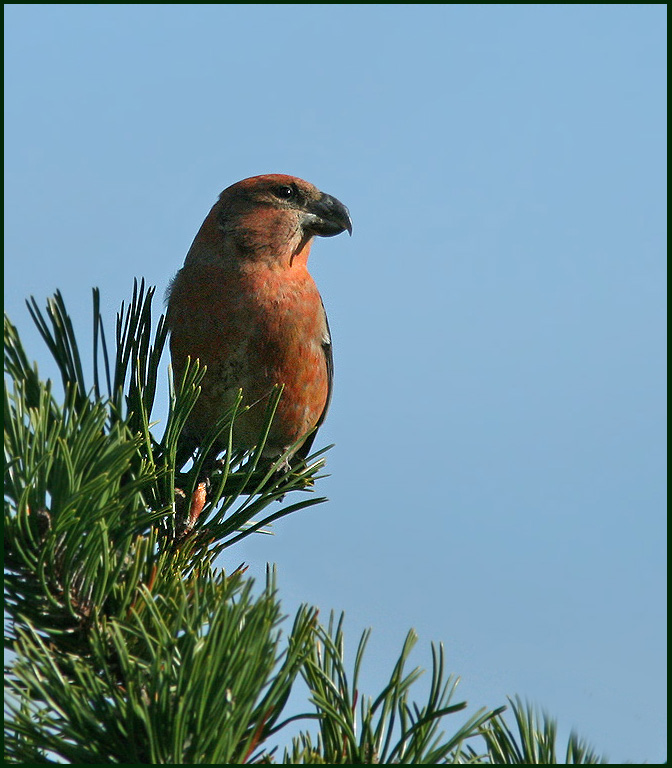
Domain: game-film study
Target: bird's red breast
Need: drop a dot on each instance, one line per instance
(245, 305)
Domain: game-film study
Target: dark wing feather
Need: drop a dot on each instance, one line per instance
(304, 450)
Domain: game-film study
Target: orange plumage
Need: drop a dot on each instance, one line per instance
(245, 305)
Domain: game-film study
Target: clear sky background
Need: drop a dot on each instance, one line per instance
(499, 314)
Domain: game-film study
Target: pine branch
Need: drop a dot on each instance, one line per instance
(128, 645)
(195, 673)
(389, 729)
(536, 740)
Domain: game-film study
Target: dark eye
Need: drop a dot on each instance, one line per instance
(285, 192)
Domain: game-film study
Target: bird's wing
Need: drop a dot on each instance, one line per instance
(304, 450)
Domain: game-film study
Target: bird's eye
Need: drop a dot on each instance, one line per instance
(285, 192)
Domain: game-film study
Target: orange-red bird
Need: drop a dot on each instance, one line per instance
(245, 305)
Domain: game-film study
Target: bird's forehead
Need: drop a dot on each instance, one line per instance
(267, 181)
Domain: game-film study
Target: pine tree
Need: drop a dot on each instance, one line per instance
(127, 644)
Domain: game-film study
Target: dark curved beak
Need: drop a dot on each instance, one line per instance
(328, 217)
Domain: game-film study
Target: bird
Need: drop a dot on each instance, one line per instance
(245, 305)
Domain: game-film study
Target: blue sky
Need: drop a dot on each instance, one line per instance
(499, 315)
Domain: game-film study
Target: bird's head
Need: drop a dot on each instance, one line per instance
(272, 217)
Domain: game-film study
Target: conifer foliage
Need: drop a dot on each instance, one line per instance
(127, 644)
